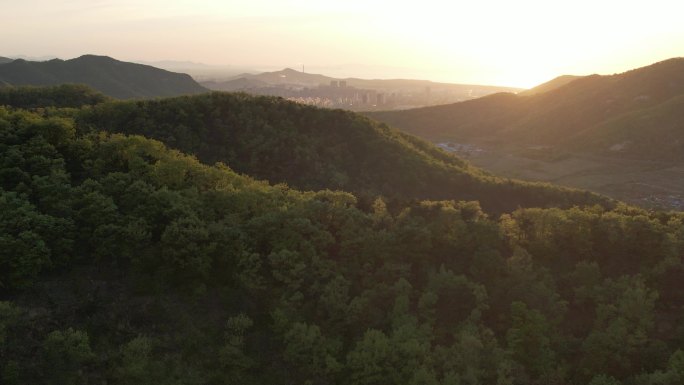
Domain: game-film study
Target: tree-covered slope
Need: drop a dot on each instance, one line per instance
(125, 262)
(552, 117)
(66, 95)
(311, 148)
(111, 77)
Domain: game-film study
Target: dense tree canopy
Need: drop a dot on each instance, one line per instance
(124, 261)
(312, 149)
(65, 95)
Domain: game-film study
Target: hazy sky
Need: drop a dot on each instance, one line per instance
(503, 42)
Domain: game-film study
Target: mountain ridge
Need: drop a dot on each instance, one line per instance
(301, 78)
(620, 135)
(110, 76)
(545, 118)
(552, 84)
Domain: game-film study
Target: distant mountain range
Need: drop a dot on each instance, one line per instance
(352, 93)
(289, 76)
(126, 80)
(199, 71)
(112, 77)
(635, 114)
(239, 84)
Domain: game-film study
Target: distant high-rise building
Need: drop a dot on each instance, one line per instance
(369, 97)
(380, 99)
(334, 83)
(343, 83)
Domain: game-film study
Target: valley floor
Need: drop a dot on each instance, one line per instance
(644, 183)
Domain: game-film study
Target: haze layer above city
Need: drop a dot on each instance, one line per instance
(517, 44)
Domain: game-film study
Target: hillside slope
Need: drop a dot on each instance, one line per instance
(311, 149)
(112, 77)
(655, 133)
(550, 118)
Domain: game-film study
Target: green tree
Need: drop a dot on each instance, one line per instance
(624, 322)
(138, 364)
(311, 354)
(369, 362)
(66, 356)
(529, 340)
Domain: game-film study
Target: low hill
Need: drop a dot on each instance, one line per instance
(289, 76)
(311, 148)
(4, 60)
(112, 77)
(239, 84)
(550, 118)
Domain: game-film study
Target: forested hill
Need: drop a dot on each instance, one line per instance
(112, 77)
(125, 262)
(61, 96)
(582, 111)
(310, 148)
